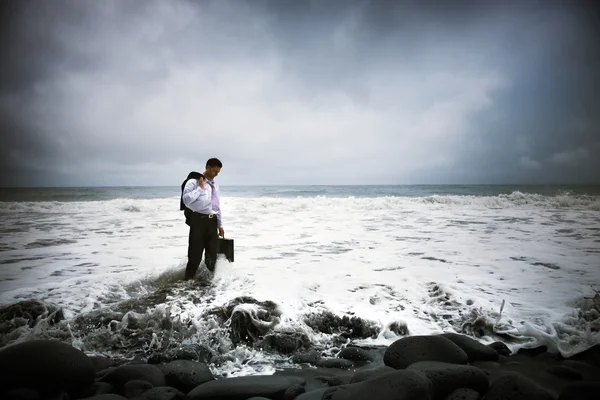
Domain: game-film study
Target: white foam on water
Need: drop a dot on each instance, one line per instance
(424, 261)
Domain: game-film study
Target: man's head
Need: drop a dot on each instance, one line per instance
(213, 167)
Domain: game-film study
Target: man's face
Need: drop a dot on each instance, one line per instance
(214, 171)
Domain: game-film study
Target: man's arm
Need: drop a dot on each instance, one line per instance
(194, 193)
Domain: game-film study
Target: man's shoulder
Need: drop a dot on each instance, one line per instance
(191, 183)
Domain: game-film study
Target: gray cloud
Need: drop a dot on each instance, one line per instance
(298, 92)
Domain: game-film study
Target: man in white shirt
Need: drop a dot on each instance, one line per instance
(201, 197)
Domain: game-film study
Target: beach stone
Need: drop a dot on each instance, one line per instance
(47, 366)
(446, 378)
(409, 350)
(22, 394)
(122, 374)
(363, 375)
(185, 375)
(135, 387)
(334, 363)
(310, 357)
(102, 388)
(475, 350)
(580, 391)
(464, 394)
(162, 393)
(355, 354)
(565, 372)
(313, 395)
(515, 386)
(500, 348)
(396, 385)
(243, 387)
(293, 391)
(285, 342)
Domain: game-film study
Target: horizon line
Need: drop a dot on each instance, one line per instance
(303, 185)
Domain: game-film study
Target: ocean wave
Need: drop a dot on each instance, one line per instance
(514, 200)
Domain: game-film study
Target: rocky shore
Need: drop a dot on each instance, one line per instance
(446, 367)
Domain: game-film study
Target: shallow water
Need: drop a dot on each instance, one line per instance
(435, 262)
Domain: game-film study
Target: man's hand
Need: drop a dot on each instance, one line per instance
(201, 182)
(222, 232)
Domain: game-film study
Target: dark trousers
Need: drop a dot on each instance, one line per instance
(203, 237)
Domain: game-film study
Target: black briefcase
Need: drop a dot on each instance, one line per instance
(225, 246)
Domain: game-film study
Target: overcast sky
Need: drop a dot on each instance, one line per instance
(299, 92)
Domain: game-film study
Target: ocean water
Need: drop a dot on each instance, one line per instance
(519, 264)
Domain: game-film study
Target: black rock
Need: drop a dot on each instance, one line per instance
(565, 372)
(500, 348)
(22, 394)
(185, 375)
(515, 386)
(108, 396)
(135, 387)
(310, 357)
(162, 393)
(293, 391)
(122, 374)
(364, 374)
(409, 350)
(243, 387)
(285, 342)
(580, 391)
(395, 385)
(312, 395)
(464, 394)
(475, 350)
(48, 366)
(355, 354)
(102, 388)
(334, 363)
(447, 378)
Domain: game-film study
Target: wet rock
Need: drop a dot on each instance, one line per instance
(108, 396)
(397, 385)
(192, 352)
(31, 311)
(102, 388)
(185, 375)
(409, 350)
(313, 395)
(310, 357)
(285, 342)
(446, 378)
(475, 350)
(515, 386)
(347, 327)
(135, 387)
(293, 391)
(355, 354)
(464, 394)
(48, 366)
(249, 319)
(565, 372)
(162, 393)
(119, 376)
(334, 363)
(365, 374)
(22, 394)
(243, 387)
(500, 348)
(580, 391)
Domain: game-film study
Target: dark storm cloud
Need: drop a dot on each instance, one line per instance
(141, 92)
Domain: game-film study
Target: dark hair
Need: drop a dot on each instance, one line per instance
(214, 162)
